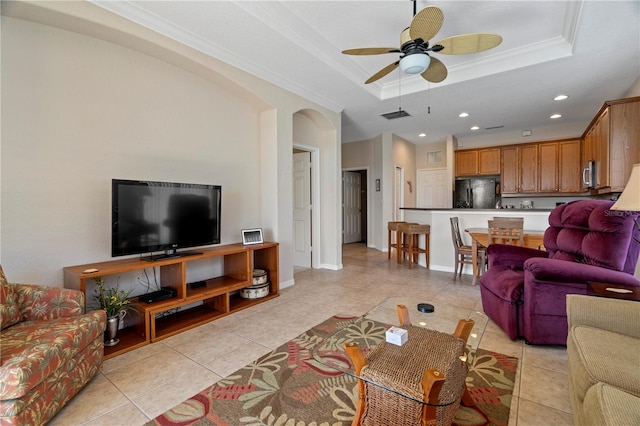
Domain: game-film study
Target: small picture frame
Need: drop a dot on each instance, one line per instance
(252, 236)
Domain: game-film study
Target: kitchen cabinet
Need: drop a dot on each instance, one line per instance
(519, 169)
(467, 163)
(559, 166)
(548, 166)
(624, 142)
(612, 142)
(569, 166)
(596, 149)
(528, 163)
(544, 168)
(510, 170)
(474, 162)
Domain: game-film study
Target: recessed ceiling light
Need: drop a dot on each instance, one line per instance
(475, 128)
(554, 116)
(560, 98)
(463, 114)
(422, 135)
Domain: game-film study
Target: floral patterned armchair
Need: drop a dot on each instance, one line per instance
(49, 349)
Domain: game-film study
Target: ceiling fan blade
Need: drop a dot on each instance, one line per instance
(384, 71)
(436, 72)
(469, 43)
(371, 51)
(426, 23)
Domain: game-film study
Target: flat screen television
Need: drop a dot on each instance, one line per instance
(151, 216)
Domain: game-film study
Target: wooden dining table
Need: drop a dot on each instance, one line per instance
(480, 238)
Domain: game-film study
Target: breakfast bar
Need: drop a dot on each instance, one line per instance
(442, 252)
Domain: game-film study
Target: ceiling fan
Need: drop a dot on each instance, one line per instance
(414, 47)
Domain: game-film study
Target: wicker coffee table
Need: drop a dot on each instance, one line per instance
(394, 380)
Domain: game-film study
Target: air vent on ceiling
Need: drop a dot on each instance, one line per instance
(396, 114)
(494, 127)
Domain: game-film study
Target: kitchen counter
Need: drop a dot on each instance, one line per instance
(442, 256)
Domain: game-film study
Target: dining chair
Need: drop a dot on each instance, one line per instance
(506, 231)
(464, 253)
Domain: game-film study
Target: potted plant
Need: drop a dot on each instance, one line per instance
(114, 301)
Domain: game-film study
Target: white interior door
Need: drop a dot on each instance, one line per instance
(351, 209)
(302, 209)
(432, 189)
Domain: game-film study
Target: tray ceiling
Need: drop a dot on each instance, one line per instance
(589, 50)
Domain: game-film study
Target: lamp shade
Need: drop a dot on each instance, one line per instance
(415, 63)
(630, 198)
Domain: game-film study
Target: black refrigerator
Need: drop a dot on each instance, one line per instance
(476, 193)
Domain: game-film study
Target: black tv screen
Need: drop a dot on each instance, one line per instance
(163, 216)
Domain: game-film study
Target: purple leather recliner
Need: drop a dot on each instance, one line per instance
(524, 290)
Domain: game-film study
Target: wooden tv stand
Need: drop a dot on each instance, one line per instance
(150, 322)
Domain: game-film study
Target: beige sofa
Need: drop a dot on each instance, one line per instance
(603, 348)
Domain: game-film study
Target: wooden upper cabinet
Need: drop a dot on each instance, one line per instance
(545, 168)
(548, 167)
(510, 170)
(528, 157)
(612, 140)
(474, 162)
(519, 169)
(569, 170)
(624, 142)
(489, 161)
(467, 163)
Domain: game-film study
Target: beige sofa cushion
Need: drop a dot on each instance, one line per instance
(597, 355)
(606, 405)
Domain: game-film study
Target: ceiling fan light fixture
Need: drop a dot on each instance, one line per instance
(416, 63)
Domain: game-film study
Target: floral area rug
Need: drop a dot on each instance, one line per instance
(289, 387)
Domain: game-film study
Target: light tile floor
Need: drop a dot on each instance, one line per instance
(137, 386)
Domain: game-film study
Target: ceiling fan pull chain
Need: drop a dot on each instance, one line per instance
(399, 90)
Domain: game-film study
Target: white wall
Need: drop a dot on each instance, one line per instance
(404, 154)
(91, 102)
(79, 112)
(634, 90)
(310, 128)
(559, 131)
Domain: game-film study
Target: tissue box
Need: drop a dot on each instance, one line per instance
(397, 336)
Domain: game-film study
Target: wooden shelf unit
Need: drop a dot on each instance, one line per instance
(150, 322)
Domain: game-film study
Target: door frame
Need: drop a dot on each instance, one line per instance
(369, 186)
(316, 236)
(398, 196)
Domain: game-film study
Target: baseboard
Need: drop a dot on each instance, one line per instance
(331, 266)
(288, 283)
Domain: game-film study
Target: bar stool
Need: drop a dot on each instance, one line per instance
(392, 230)
(412, 232)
